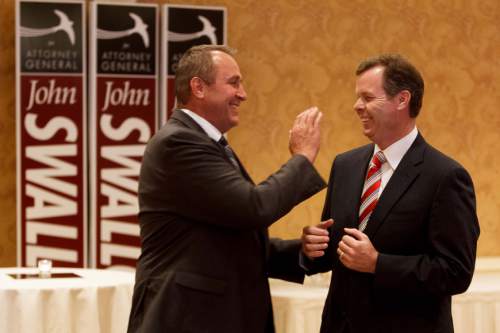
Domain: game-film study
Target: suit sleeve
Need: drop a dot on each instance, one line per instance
(453, 232)
(324, 263)
(284, 260)
(203, 186)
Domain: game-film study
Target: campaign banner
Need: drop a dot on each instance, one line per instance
(123, 111)
(51, 133)
(183, 27)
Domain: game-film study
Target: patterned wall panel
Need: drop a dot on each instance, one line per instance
(7, 137)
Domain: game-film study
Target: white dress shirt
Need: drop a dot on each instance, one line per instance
(394, 154)
(210, 129)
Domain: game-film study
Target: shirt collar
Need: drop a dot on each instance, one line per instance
(210, 129)
(395, 152)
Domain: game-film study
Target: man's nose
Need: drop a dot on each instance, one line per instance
(242, 94)
(358, 105)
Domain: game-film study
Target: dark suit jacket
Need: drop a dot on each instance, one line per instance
(206, 255)
(424, 227)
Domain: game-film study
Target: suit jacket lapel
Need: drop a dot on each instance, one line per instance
(242, 168)
(402, 178)
(187, 121)
(181, 117)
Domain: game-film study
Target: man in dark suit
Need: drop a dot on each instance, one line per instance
(400, 226)
(206, 255)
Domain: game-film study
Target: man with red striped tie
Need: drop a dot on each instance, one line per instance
(400, 226)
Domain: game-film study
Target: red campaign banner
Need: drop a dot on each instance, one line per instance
(184, 26)
(50, 133)
(123, 57)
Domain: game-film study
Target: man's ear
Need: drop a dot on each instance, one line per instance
(197, 87)
(404, 97)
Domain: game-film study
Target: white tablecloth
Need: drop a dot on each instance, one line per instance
(298, 308)
(478, 309)
(99, 301)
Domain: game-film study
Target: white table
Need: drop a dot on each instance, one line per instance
(298, 308)
(478, 309)
(99, 301)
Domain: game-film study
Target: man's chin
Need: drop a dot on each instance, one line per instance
(230, 124)
(235, 121)
(368, 133)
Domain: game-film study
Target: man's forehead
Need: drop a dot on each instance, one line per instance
(221, 57)
(226, 65)
(370, 79)
(373, 73)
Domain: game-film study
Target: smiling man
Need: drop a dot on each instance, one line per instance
(400, 226)
(206, 254)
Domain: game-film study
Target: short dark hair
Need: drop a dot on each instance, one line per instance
(196, 62)
(399, 74)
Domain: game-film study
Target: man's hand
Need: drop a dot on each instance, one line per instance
(305, 134)
(315, 239)
(356, 251)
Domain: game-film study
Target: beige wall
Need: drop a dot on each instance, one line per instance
(294, 54)
(7, 136)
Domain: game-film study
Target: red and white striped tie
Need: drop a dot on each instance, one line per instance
(370, 195)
